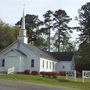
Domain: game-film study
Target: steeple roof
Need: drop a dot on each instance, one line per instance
(23, 32)
(23, 21)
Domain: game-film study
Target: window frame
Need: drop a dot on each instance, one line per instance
(32, 63)
(47, 64)
(43, 64)
(3, 63)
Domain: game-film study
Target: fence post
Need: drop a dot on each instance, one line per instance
(75, 75)
(83, 76)
(66, 74)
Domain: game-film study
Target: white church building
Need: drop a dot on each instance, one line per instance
(23, 56)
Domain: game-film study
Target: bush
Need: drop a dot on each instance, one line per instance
(27, 72)
(49, 74)
(62, 73)
(78, 74)
(54, 74)
(43, 73)
(35, 73)
(20, 73)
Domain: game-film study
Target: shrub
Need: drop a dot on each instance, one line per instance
(27, 72)
(20, 73)
(49, 74)
(78, 74)
(35, 73)
(43, 73)
(54, 74)
(62, 73)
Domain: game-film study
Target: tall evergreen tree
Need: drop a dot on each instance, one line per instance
(48, 24)
(84, 21)
(83, 61)
(61, 19)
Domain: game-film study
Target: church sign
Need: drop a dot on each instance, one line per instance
(85, 74)
(71, 74)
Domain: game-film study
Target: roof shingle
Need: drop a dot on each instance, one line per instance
(63, 56)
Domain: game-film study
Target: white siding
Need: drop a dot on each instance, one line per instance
(29, 54)
(64, 65)
(73, 64)
(14, 60)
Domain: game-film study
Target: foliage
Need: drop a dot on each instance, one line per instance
(27, 72)
(32, 24)
(83, 60)
(43, 73)
(62, 73)
(49, 74)
(48, 25)
(8, 35)
(61, 19)
(84, 21)
(83, 55)
(34, 73)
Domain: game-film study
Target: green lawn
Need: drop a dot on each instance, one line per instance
(61, 81)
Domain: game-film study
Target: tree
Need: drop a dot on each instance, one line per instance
(83, 57)
(34, 32)
(61, 19)
(48, 24)
(7, 35)
(84, 21)
(83, 61)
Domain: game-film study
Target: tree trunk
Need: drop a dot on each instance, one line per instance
(49, 40)
(59, 40)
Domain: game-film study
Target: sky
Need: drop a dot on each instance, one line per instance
(11, 10)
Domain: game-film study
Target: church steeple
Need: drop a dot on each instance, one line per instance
(23, 32)
(23, 21)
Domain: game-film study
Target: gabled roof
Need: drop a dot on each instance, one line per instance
(58, 56)
(63, 56)
(20, 52)
(34, 49)
(16, 51)
(41, 53)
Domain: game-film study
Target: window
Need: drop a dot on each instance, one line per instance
(50, 65)
(63, 67)
(47, 64)
(43, 63)
(3, 62)
(53, 65)
(32, 63)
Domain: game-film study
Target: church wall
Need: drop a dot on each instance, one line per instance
(2, 54)
(47, 65)
(30, 56)
(12, 59)
(64, 66)
(73, 63)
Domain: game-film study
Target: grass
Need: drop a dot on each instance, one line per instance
(61, 81)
